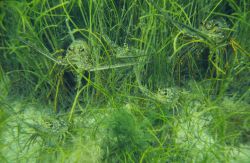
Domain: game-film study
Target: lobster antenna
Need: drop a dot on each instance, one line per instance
(69, 29)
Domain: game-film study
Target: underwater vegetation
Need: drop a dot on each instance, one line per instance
(124, 81)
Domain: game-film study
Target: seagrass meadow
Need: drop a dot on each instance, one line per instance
(88, 81)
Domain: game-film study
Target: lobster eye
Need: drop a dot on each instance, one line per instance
(216, 24)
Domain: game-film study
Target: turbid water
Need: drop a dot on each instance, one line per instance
(124, 81)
